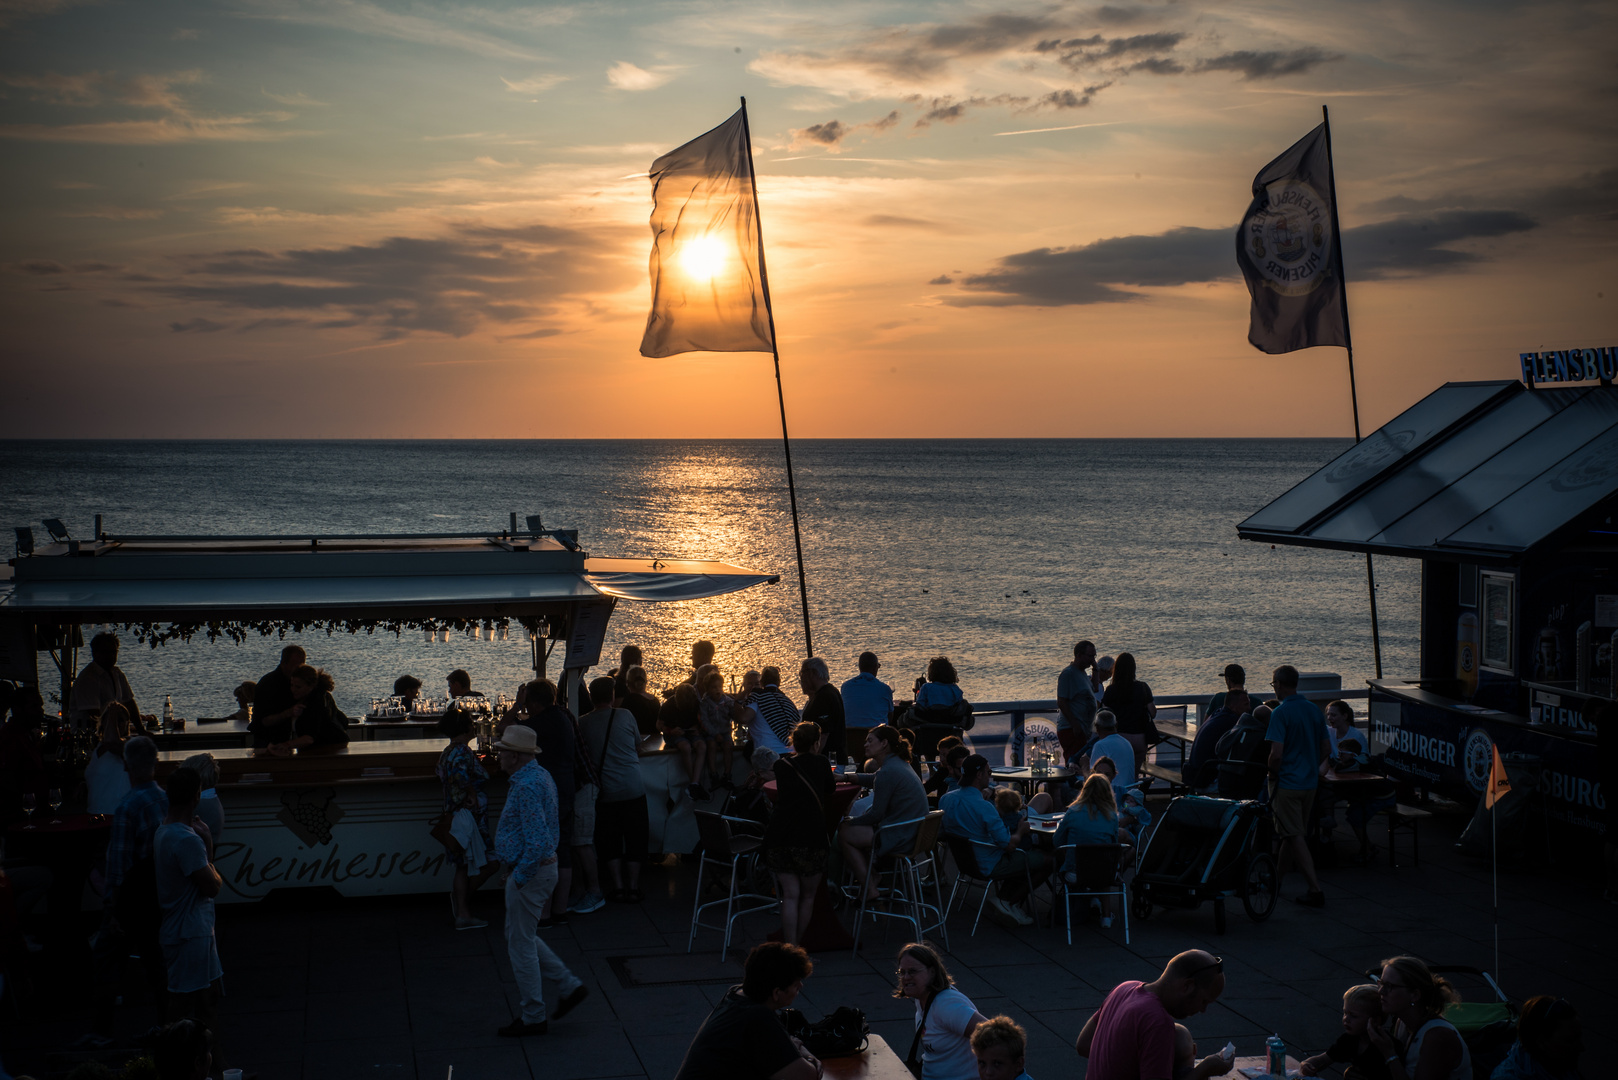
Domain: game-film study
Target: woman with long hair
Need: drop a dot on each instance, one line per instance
(1092, 818)
(105, 781)
(897, 795)
(1131, 702)
(942, 687)
(945, 1017)
(1414, 997)
(795, 842)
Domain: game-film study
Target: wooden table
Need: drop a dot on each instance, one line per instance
(877, 1062)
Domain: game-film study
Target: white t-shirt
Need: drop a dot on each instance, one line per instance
(763, 734)
(946, 1053)
(1122, 753)
(106, 781)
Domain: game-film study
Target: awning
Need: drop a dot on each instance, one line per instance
(206, 599)
(1482, 471)
(657, 580)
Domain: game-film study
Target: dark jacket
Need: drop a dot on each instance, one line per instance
(1243, 755)
(803, 786)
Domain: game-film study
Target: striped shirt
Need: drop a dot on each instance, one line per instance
(776, 710)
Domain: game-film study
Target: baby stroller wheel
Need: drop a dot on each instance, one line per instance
(1261, 886)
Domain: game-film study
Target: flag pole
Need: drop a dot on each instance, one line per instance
(780, 395)
(1494, 858)
(1353, 393)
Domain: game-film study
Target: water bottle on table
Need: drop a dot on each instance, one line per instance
(1275, 1057)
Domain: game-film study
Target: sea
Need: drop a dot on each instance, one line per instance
(998, 553)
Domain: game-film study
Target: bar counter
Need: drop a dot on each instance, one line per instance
(357, 818)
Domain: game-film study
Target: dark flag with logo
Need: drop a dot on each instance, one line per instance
(1288, 251)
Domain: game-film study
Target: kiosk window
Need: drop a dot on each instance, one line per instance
(1497, 621)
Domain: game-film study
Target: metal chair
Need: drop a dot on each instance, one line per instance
(1095, 873)
(907, 897)
(720, 848)
(968, 875)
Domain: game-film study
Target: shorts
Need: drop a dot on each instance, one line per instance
(800, 861)
(1291, 810)
(676, 738)
(1072, 740)
(584, 816)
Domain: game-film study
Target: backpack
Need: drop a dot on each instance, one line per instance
(1243, 768)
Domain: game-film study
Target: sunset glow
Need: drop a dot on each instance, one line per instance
(276, 218)
(703, 258)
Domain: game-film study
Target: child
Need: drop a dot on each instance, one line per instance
(1000, 1045)
(1186, 1066)
(1361, 1008)
(1008, 802)
(714, 711)
(1133, 816)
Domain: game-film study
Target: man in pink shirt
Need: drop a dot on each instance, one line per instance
(1131, 1037)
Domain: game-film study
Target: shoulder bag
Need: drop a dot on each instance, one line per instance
(913, 1059)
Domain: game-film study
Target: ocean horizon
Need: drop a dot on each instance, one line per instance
(998, 552)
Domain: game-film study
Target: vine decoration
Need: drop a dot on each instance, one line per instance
(154, 634)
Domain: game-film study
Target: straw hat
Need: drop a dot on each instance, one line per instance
(518, 739)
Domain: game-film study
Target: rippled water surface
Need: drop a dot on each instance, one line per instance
(999, 553)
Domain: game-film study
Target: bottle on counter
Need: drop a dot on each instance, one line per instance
(168, 713)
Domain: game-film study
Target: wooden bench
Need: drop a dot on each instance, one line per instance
(1172, 777)
(1406, 818)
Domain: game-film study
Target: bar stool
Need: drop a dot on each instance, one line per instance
(722, 849)
(907, 896)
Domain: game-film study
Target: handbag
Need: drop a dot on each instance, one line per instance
(842, 1032)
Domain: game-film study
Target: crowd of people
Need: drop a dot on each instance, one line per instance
(573, 837)
(1393, 1028)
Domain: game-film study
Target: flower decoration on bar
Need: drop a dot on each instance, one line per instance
(238, 630)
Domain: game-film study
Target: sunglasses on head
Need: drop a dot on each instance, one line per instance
(1218, 966)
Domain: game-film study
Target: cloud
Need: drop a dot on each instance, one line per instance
(941, 279)
(41, 268)
(297, 98)
(896, 221)
(184, 34)
(15, 11)
(832, 133)
(1071, 99)
(453, 284)
(360, 17)
(947, 110)
(534, 84)
(1098, 273)
(1269, 65)
(828, 134)
(626, 76)
(146, 91)
(114, 213)
(199, 326)
(54, 88)
(1414, 243)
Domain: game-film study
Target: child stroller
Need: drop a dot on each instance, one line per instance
(1208, 849)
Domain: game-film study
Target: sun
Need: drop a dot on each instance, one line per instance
(703, 258)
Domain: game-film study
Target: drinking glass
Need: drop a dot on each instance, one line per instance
(55, 799)
(28, 805)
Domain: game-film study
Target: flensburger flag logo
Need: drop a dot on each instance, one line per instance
(1290, 239)
(1287, 249)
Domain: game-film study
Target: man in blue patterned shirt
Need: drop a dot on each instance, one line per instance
(525, 843)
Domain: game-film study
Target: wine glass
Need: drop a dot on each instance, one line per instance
(55, 799)
(28, 807)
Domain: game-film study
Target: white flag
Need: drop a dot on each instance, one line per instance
(708, 287)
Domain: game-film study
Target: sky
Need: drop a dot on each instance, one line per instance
(355, 219)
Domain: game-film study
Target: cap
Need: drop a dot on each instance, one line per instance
(1235, 675)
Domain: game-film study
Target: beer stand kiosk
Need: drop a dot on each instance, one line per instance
(356, 818)
(1508, 494)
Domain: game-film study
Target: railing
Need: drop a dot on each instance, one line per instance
(1019, 710)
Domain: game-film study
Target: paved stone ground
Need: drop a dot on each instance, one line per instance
(386, 989)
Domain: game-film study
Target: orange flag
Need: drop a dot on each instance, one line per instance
(1499, 783)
